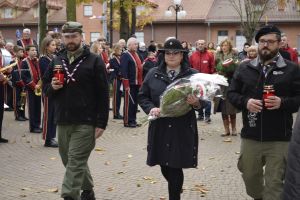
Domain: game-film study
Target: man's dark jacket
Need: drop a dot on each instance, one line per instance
(85, 101)
(248, 82)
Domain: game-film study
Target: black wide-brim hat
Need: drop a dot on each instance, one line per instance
(172, 45)
(268, 29)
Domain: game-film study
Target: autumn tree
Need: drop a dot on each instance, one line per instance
(42, 20)
(250, 13)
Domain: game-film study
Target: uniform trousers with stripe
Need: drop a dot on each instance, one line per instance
(8, 95)
(34, 110)
(117, 94)
(49, 127)
(19, 110)
(131, 105)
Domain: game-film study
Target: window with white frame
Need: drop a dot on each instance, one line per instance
(87, 10)
(94, 36)
(8, 13)
(139, 36)
(222, 35)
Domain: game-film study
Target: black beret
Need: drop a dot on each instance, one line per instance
(268, 29)
(71, 27)
(172, 45)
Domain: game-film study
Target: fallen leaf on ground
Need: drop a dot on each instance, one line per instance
(211, 158)
(200, 188)
(227, 140)
(99, 149)
(138, 185)
(110, 189)
(53, 158)
(129, 156)
(153, 182)
(107, 163)
(162, 198)
(23, 195)
(237, 152)
(147, 178)
(121, 173)
(54, 190)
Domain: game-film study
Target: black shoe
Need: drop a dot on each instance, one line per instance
(9, 109)
(36, 130)
(68, 198)
(2, 140)
(51, 143)
(130, 125)
(20, 119)
(118, 117)
(258, 199)
(207, 119)
(200, 118)
(88, 195)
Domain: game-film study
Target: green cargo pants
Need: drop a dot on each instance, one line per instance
(263, 168)
(75, 145)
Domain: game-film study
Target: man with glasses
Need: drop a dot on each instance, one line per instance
(81, 103)
(267, 90)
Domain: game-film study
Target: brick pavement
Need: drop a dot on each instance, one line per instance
(30, 171)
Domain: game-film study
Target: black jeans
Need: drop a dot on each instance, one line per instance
(175, 178)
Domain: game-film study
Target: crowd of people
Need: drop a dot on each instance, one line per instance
(70, 80)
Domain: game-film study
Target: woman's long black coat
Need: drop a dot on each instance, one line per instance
(172, 141)
(292, 177)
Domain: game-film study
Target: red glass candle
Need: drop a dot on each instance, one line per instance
(59, 73)
(268, 91)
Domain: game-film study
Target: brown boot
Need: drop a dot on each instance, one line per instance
(226, 125)
(233, 124)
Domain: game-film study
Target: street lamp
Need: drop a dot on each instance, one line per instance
(179, 12)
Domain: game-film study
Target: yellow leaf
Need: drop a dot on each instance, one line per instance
(129, 156)
(227, 140)
(99, 149)
(110, 189)
(53, 158)
(54, 190)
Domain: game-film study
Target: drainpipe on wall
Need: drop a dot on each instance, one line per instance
(208, 32)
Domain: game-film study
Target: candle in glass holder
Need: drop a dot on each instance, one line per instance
(59, 73)
(268, 91)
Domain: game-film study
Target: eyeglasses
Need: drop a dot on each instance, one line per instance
(268, 42)
(172, 53)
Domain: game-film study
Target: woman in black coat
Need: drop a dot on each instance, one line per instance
(172, 141)
(291, 183)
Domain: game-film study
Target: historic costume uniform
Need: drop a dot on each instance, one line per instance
(25, 42)
(115, 75)
(18, 90)
(131, 70)
(49, 127)
(2, 140)
(30, 75)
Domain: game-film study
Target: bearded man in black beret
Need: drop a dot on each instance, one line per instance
(267, 90)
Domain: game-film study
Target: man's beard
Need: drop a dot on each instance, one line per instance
(266, 54)
(72, 46)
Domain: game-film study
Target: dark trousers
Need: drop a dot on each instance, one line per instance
(175, 178)
(34, 110)
(206, 108)
(19, 110)
(131, 105)
(49, 127)
(117, 94)
(8, 95)
(1, 106)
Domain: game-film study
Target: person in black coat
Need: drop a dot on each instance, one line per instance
(172, 141)
(291, 190)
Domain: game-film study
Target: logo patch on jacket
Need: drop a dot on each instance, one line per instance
(278, 72)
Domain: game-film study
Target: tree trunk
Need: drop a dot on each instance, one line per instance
(71, 10)
(124, 22)
(42, 20)
(133, 20)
